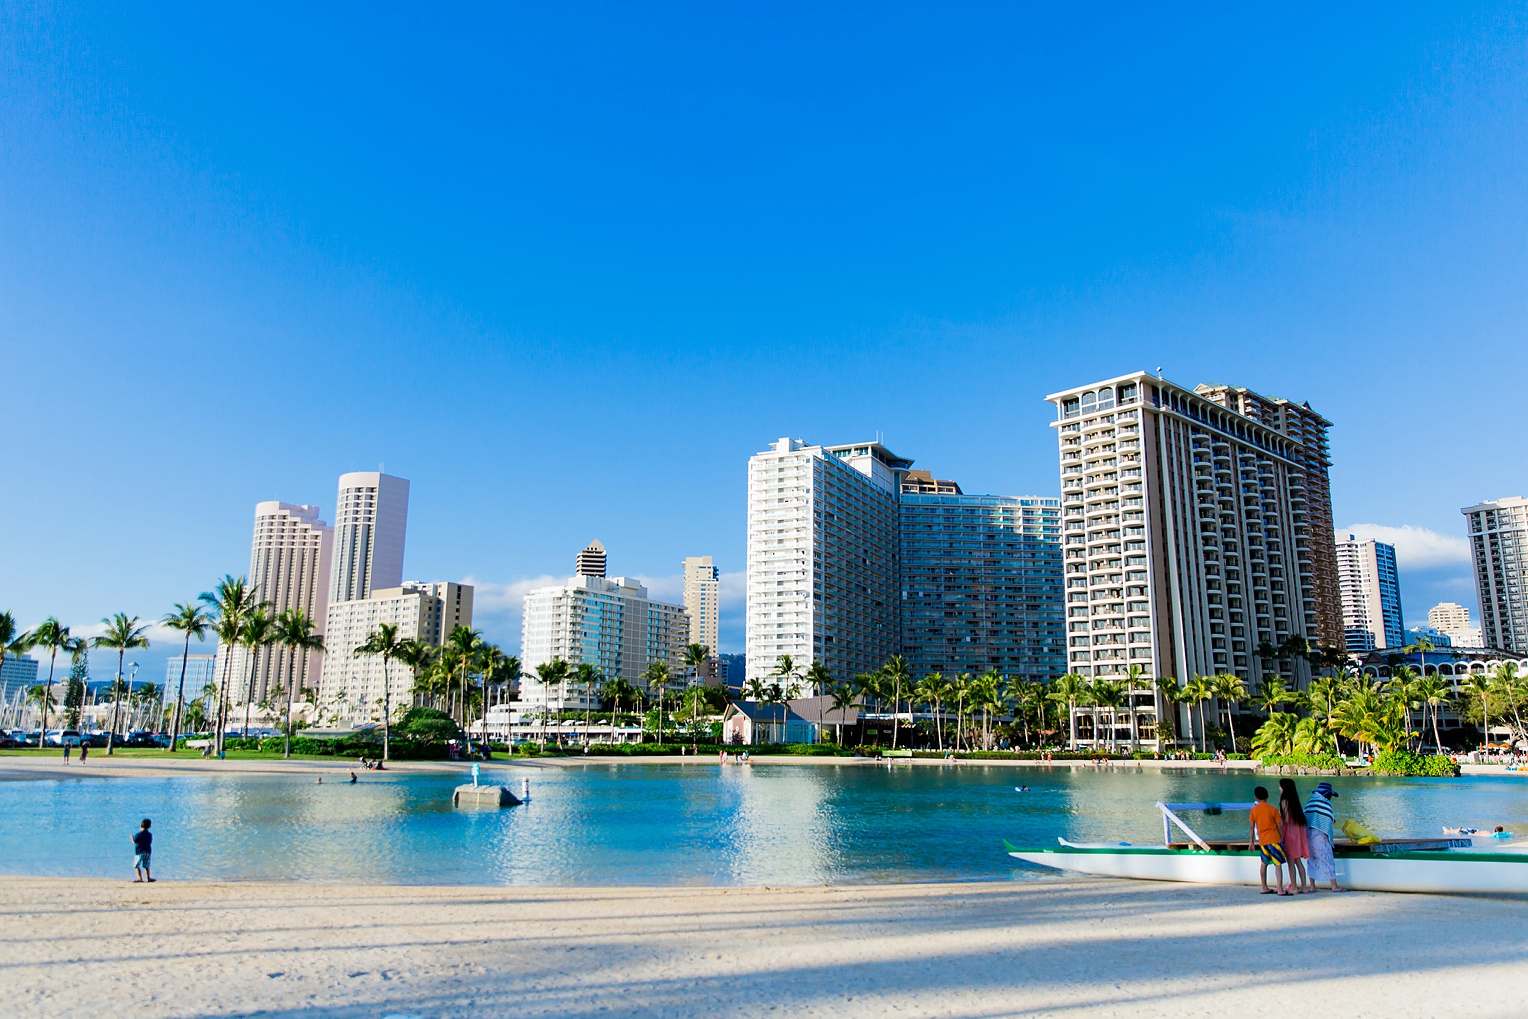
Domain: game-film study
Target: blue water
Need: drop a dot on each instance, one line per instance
(659, 824)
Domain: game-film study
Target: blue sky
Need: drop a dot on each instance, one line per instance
(565, 269)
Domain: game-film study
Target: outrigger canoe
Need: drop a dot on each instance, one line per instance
(1449, 865)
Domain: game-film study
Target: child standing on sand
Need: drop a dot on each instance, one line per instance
(1296, 846)
(143, 852)
(1268, 839)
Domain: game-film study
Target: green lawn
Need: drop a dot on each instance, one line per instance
(156, 754)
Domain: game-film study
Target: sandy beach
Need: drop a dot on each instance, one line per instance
(1050, 948)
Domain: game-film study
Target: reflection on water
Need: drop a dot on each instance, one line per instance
(606, 824)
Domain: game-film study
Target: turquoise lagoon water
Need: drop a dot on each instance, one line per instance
(603, 824)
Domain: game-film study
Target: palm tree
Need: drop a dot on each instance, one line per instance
(1509, 684)
(897, 676)
(1068, 690)
(1481, 686)
(383, 641)
(294, 631)
(234, 602)
(191, 620)
(1272, 694)
(41, 694)
(54, 636)
(12, 642)
(587, 676)
(416, 654)
(844, 695)
(1432, 693)
(1230, 689)
(1109, 696)
(497, 669)
(617, 691)
(819, 679)
(1197, 692)
(1402, 686)
(1369, 717)
(147, 696)
(784, 685)
(696, 655)
(657, 676)
(1276, 736)
(259, 633)
(1167, 691)
(553, 673)
(1420, 647)
(929, 691)
(122, 635)
(990, 697)
(468, 645)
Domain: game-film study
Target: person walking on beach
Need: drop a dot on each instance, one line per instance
(84, 752)
(1265, 835)
(67, 748)
(1296, 844)
(143, 852)
(1318, 831)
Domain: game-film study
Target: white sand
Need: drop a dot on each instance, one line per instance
(1062, 948)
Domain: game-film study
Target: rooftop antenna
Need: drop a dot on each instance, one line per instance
(1159, 373)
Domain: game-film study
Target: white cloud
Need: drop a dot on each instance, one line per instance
(1415, 547)
(494, 598)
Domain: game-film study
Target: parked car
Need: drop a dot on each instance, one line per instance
(11, 739)
(63, 737)
(95, 739)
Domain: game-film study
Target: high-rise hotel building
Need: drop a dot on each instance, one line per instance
(1371, 596)
(371, 521)
(1498, 533)
(427, 612)
(289, 563)
(366, 589)
(1197, 528)
(981, 583)
(822, 557)
(853, 557)
(702, 600)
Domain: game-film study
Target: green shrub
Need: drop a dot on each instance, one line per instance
(1404, 762)
(1325, 762)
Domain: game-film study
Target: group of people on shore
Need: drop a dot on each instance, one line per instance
(1294, 835)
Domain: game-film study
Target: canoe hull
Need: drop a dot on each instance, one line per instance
(1446, 872)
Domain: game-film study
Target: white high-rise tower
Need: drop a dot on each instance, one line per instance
(1499, 543)
(289, 563)
(370, 519)
(822, 557)
(1371, 595)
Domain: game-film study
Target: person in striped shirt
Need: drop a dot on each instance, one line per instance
(1318, 830)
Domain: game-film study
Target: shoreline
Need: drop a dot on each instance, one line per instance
(29, 768)
(1072, 947)
(41, 768)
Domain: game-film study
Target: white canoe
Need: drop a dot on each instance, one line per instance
(1457, 870)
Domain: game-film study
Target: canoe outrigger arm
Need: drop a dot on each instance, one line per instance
(1170, 818)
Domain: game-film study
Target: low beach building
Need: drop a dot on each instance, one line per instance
(748, 723)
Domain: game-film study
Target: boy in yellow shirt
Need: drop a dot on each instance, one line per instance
(1269, 839)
